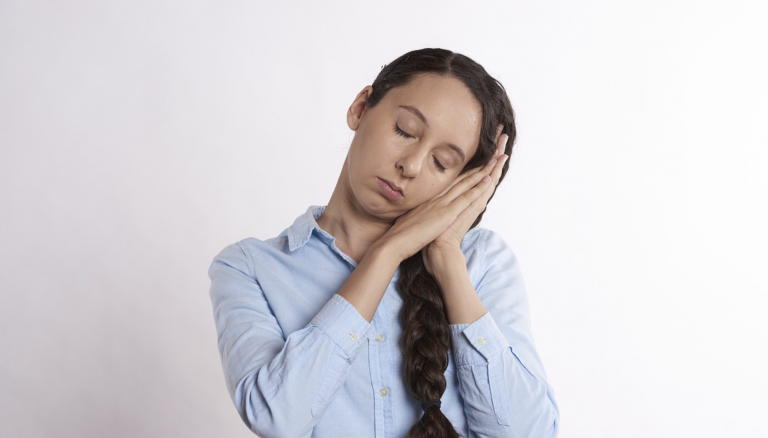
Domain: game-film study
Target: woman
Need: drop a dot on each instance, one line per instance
(386, 313)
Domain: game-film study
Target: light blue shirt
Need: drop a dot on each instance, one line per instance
(300, 361)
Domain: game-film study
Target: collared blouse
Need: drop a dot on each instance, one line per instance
(300, 361)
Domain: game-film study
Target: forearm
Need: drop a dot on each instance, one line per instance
(367, 284)
(462, 304)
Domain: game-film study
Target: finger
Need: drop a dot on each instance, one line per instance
(501, 144)
(498, 132)
(468, 206)
(495, 177)
(463, 199)
(498, 169)
(465, 192)
(467, 217)
(458, 179)
(471, 180)
(466, 175)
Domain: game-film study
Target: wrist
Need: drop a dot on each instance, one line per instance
(385, 253)
(446, 262)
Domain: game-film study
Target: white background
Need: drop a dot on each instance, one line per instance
(140, 138)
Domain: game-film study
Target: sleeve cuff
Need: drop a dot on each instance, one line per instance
(479, 341)
(341, 322)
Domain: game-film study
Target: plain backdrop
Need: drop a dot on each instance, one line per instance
(137, 139)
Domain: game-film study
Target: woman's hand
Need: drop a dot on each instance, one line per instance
(450, 239)
(423, 224)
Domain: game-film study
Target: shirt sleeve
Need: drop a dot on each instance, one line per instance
(501, 377)
(280, 385)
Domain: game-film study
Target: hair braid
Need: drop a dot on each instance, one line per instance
(425, 343)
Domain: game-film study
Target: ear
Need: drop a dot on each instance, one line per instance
(356, 110)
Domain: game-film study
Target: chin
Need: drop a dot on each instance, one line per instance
(380, 207)
(385, 213)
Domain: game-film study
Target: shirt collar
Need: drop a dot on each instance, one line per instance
(301, 231)
(305, 226)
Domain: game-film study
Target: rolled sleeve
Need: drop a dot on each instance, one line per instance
(479, 341)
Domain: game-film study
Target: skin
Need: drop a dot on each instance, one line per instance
(438, 204)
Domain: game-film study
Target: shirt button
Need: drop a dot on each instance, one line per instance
(383, 392)
(481, 341)
(379, 338)
(354, 337)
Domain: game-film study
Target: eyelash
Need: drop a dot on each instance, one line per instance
(437, 162)
(401, 132)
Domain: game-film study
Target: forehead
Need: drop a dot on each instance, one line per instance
(452, 113)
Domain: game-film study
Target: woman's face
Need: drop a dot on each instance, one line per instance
(410, 146)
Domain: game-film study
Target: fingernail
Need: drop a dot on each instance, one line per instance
(491, 161)
(486, 179)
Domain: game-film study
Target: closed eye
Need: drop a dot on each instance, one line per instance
(400, 131)
(438, 164)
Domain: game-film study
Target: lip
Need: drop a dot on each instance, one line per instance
(390, 190)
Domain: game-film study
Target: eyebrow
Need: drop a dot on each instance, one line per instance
(415, 111)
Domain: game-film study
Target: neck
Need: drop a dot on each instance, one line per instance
(355, 231)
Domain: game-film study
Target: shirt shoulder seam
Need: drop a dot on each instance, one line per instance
(248, 258)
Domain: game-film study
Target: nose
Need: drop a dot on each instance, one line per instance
(410, 164)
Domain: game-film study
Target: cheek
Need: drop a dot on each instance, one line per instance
(430, 191)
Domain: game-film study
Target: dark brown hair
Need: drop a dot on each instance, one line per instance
(426, 340)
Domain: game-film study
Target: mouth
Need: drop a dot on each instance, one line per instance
(390, 190)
